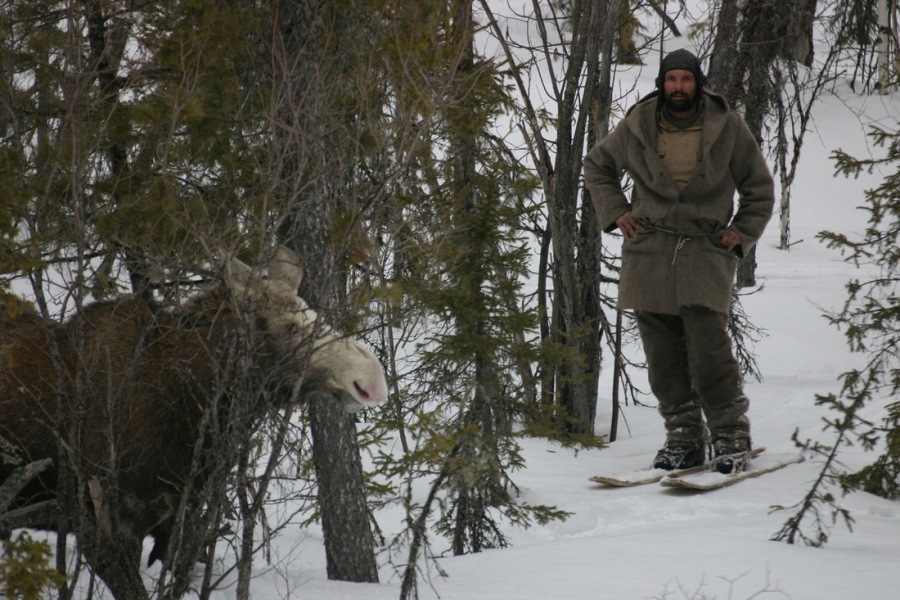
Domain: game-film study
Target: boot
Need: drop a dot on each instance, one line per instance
(730, 456)
(679, 455)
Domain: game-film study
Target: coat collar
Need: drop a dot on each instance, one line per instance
(642, 118)
(642, 121)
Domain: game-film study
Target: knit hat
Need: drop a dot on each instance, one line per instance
(681, 59)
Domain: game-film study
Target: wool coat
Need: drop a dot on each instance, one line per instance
(678, 259)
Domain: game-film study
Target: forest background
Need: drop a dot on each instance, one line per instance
(425, 159)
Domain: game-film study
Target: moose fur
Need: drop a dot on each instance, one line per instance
(128, 392)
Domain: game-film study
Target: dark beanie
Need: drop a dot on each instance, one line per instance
(681, 59)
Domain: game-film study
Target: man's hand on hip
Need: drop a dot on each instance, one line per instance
(629, 226)
(730, 239)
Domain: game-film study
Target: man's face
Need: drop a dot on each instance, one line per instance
(679, 89)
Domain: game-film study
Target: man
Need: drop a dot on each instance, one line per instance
(686, 153)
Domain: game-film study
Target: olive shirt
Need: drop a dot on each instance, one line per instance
(679, 260)
(678, 146)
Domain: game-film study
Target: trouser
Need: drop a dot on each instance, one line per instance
(693, 373)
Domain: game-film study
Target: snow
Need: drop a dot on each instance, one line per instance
(650, 542)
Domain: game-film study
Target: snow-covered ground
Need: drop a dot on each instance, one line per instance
(648, 542)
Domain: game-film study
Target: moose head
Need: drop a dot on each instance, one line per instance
(347, 365)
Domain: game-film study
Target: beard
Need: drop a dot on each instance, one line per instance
(680, 102)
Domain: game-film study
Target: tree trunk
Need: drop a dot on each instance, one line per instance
(312, 137)
(723, 75)
(602, 81)
(750, 37)
(576, 249)
(349, 543)
(883, 47)
(784, 222)
(569, 246)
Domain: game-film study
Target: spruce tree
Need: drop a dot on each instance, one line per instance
(870, 319)
(460, 261)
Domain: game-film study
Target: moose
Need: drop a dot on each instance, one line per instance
(132, 398)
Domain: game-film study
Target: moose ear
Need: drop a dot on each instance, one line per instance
(237, 274)
(286, 269)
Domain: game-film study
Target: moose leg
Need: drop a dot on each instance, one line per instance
(118, 564)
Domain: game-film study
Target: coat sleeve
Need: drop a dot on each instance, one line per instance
(603, 169)
(755, 187)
